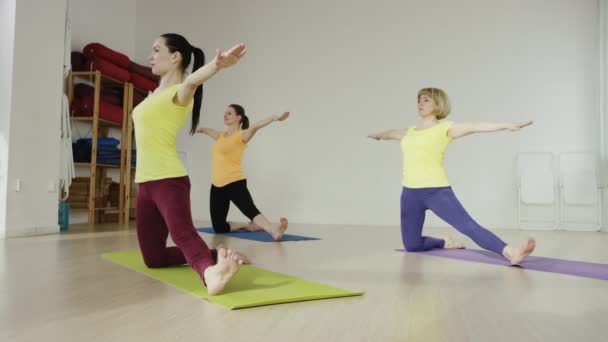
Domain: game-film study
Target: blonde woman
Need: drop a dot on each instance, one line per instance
(425, 183)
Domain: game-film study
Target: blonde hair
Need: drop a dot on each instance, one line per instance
(441, 99)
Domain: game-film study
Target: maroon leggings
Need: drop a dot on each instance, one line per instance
(163, 208)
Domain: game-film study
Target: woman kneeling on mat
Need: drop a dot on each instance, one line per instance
(425, 183)
(228, 181)
(163, 200)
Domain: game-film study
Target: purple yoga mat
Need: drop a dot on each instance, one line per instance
(575, 268)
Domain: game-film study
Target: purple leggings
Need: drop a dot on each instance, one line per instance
(163, 208)
(443, 202)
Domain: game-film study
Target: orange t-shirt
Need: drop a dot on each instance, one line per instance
(226, 157)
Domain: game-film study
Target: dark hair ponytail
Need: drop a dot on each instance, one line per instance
(176, 42)
(240, 111)
(199, 61)
(245, 122)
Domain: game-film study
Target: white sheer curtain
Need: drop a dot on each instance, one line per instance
(67, 160)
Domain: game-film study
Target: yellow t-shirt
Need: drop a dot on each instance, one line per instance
(423, 152)
(226, 157)
(157, 120)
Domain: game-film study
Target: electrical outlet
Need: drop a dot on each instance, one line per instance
(18, 185)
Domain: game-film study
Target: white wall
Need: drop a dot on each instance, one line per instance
(109, 22)
(7, 35)
(603, 95)
(346, 73)
(35, 117)
(112, 23)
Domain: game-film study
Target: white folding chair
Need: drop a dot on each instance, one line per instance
(579, 192)
(537, 191)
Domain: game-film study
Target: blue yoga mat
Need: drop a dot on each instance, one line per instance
(257, 236)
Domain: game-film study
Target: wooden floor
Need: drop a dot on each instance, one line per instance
(57, 288)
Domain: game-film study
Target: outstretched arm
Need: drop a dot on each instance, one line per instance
(458, 130)
(249, 132)
(222, 60)
(210, 132)
(392, 134)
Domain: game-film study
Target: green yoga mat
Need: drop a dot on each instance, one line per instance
(250, 287)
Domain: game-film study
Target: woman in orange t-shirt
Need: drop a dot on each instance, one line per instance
(228, 182)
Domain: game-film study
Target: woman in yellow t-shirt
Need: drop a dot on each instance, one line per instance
(425, 183)
(228, 182)
(163, 200)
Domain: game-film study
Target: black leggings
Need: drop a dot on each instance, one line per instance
(219, 204)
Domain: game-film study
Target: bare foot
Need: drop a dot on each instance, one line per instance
(280, 230)
(517, 254)
(253, 228)
(218, 275)
(239, 257)
(450, 243)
